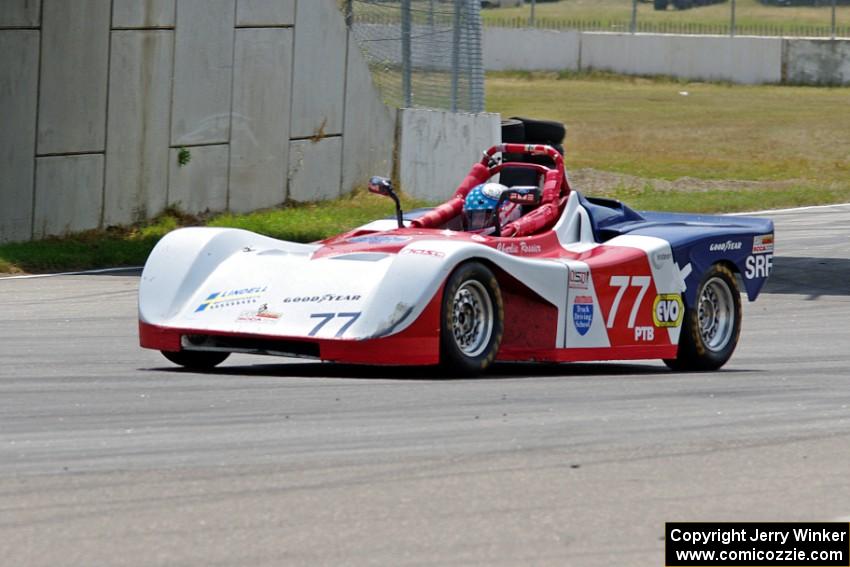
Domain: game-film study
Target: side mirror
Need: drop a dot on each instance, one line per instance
(381, 186)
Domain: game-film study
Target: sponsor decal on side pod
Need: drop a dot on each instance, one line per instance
(583, 313)
(668, 310)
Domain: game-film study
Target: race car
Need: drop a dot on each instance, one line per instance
(566, 278)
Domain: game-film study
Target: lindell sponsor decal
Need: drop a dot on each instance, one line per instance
(763, 244)
(219, 299)
(728, 246)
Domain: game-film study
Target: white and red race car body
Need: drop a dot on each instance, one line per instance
(603, 283)
(373, 296)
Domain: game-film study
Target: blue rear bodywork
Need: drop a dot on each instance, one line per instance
(746, 243)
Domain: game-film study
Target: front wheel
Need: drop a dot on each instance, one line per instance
(196, 359)
(711, 328)
(472, 322)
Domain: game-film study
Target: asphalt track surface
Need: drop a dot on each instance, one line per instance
(109, 455)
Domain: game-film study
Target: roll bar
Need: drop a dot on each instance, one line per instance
(555, 183)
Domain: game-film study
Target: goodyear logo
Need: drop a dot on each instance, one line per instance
(668, 310)
(728, 246)
(230, 297)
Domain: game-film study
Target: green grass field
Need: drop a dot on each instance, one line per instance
(767, 145)
(654, 143)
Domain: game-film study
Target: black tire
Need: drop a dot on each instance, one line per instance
(471, 292)
(661, 4)
(711, 328)
(195, 359)
(543, 131)
(513, 131)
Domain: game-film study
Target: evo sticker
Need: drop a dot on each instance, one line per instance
(668, 310)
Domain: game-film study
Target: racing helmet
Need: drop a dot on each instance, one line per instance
(480, 208)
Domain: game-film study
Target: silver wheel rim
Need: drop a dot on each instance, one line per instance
(472, 318)
(716, 314)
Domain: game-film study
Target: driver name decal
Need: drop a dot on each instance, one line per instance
(521, 248)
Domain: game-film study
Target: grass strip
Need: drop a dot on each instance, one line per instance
(117, 247)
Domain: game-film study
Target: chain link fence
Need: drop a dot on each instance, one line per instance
(422, 53)
(782, 18)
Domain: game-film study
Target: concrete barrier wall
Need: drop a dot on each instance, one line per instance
(271, 98)
(740, 59)
(817, 62)
(438, 148)
(509, 49)
(137, 130)
(18, 96)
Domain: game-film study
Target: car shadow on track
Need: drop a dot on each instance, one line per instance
(500, 371)
(809, 276)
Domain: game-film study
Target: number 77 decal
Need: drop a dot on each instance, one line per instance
(327, 317)
(623, 283)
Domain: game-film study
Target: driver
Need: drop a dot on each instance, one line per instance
(479, 209)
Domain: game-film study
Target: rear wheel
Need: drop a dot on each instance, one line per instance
(195, 359)
(711, 328)
(472, 322)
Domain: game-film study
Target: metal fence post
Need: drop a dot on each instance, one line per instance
(833, 19)
(349, 13)
(633, 25)
(531, 18)
(732, 23)
(455, 55)
(406, 63)
(474, 45)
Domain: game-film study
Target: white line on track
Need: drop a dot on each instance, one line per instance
(770, 211)
(82, 273)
